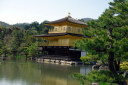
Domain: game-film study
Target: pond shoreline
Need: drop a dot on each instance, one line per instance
(61, 62)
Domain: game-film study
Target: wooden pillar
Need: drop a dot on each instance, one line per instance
(42, 49)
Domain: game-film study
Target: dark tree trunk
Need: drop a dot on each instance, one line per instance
(103, 63)
(111, 62)
(122, 83)
(114, 67)
(117, 65)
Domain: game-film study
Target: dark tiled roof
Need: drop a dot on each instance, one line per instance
(69, 19)
(58, 34)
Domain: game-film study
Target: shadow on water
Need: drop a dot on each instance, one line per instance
(29, 73)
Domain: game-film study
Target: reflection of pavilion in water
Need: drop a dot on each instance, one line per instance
(85, 70)
(39, 74)
(61, 75)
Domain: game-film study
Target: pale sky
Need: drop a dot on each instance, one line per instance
(20, 11)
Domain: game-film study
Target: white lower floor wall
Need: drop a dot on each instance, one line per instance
(83, 53)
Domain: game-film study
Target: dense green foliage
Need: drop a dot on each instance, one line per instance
(17, 41)
(108, 38)
(106, 77)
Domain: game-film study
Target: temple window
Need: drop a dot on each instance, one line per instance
(64, 28)
(78, 30)
(55, 29)
(69, 29)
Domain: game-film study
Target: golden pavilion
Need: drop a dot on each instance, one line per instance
(58, 43)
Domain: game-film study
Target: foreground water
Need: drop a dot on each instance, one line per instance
(29, 73)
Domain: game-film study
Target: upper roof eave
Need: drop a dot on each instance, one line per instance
(68, 19)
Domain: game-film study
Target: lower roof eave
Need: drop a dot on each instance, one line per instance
(58, 34)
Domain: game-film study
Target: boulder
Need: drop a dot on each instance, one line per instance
(95, 67)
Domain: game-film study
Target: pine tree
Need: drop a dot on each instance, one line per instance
(108, 37)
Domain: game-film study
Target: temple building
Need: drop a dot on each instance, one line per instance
(58, 43)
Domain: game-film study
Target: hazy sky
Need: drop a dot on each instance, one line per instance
(20, 11)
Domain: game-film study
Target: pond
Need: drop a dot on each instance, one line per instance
(31, 73)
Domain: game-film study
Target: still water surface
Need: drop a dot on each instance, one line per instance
(29, 73)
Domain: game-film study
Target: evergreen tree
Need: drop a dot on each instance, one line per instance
(108, 38)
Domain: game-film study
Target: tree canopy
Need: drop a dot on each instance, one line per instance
(16, 41)
(107, 38)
